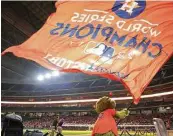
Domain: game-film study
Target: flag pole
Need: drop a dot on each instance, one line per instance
(127, 109)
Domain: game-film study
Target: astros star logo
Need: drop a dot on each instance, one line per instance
(129, 5)
(128, 9)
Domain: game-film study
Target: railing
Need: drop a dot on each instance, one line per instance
(123, 130)
(137, 130)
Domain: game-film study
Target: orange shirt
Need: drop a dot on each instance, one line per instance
(105, 123)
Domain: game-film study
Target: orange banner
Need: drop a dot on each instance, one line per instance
(122, 40)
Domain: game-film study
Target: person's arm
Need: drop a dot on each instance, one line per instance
(119, 114)
(61, 122)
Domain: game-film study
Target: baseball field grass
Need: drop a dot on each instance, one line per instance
(86, 133)
(72, 132)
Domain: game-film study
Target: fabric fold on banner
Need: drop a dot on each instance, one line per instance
(123, 40)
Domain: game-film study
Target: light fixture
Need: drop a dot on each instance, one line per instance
(47, 75)
(168, 108)
(40, 77)
(55, 73)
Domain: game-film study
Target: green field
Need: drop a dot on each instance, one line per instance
(69, 132)
(85, 133)
(72, 132)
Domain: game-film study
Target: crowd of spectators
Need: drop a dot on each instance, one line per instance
(144, 119)
(46, 121)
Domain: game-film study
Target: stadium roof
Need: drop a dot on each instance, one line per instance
(19, 21)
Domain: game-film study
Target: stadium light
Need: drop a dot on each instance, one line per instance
(48, 75)
(55, 73)
(40, 78)
(168, 108)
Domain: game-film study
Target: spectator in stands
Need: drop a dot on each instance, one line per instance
(45, 121)
(57, 126)
(171, 122)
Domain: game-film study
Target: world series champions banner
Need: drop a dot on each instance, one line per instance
(124, 40)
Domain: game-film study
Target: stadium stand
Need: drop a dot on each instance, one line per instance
(40, 120)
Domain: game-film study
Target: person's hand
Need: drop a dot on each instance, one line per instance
(122, 114)
(126, 112)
